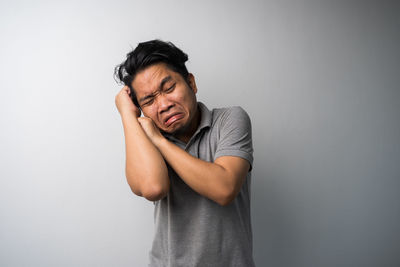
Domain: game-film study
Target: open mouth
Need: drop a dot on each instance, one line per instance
(172, 118)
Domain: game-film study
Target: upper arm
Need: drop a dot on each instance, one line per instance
(235, 136)
(234, 151)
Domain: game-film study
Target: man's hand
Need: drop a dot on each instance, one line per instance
(124, 102)
(151, 130)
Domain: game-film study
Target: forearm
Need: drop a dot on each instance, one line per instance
(146, 171)
(209, 179)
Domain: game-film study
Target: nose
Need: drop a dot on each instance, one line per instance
(164, 104)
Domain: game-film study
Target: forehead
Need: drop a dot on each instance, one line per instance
(149, 79)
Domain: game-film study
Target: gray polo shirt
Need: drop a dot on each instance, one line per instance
(192, 230)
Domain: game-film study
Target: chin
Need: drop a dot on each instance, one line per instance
(170, 131)
(180, 129)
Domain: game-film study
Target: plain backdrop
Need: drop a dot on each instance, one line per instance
(319, 79)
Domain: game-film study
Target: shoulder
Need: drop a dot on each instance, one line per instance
(230, 115)
(232, 128)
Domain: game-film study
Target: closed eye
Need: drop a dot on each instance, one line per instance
(148, 101)
(170, 89)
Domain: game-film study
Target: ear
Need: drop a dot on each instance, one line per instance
(192, 83)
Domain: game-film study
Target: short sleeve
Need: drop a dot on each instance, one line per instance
(235, 135)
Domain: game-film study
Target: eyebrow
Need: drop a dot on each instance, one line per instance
(163, 81)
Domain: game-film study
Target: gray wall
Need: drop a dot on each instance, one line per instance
(320, 80)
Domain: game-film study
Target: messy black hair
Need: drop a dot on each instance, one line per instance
(147, 54)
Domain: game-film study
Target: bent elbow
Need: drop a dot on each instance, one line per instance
(227, 198)
(225, 202)
(154, 193)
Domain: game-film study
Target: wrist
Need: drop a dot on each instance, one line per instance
(159, 141)
(130, 113)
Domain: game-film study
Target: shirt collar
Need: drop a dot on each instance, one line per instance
(206, 117)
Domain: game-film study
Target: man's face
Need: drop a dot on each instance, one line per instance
(166, 98)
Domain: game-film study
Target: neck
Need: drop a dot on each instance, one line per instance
(191, 129)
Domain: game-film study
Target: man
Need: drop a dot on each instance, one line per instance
(192, 162)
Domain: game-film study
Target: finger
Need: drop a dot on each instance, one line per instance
(145, 118)
(126, 89)
(141, 120)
